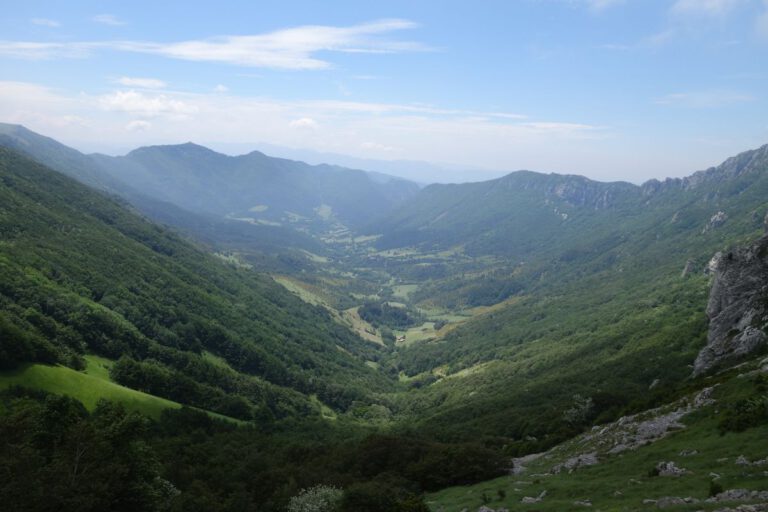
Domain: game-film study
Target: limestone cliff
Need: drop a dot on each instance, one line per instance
(738, 305)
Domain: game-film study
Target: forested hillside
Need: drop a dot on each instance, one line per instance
(477, 323)
(81, 274)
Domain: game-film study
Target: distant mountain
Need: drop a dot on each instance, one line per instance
(411, 170)
(604, 289)
(80, 274)
(198, 203)
(513, 215)
(255, 186)
(527, 213)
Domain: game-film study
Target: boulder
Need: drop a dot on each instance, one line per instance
(737, 307)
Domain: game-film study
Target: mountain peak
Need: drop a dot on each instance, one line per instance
(179, 150)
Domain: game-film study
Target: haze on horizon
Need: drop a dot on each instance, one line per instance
(610, 89)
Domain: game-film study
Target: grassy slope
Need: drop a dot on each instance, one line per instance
(622, 482)
(90, 386)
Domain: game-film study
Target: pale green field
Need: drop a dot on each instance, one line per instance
(425, 331)
(403, 291)
(90, 386)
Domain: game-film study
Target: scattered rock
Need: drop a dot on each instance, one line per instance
(716, 221)
(671, 501)
(714, 476)
(485, 509)
(687, 269)
(572, 464)
(583, 503)
(743, 461)
(518, 464)
(760, 507)
(688, 453)
(670, 469)
(656, 381)
(537, 499)
(739, 495)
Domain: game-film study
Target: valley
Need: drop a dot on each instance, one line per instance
(407, 344)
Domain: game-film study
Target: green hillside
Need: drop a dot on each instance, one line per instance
(502, 319)
(82, 274)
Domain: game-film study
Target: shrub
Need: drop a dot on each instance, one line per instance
(320, 498)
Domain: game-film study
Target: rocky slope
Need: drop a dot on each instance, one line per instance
(738, 306)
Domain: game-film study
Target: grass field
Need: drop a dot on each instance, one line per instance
(403, 291)
(90, 386)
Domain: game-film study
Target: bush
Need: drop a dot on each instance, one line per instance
(320, 498)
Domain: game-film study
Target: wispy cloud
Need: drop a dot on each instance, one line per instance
(421, 132)
(147, 105)
(303, 123)
(108, 19)
(36, 51)
(601, 5)
(293, 48)
(138, 125)
(704, 99)
(45, 22)
(705, 7)
(143, 83)
(761, 25)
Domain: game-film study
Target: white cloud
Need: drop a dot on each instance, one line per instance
(761, 25)
(148, 105)
(600, 5)
(705, 7)
(292, 48)
(304, 122)
(45, 22)
(143, 83)
(130, 118)
(138, 125)
(704, 99)
(108, 19)
(221, 88)
(377, 148)
(36, 51)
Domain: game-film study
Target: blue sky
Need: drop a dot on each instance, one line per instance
(611, 89)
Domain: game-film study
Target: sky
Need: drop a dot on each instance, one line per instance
(610, 89)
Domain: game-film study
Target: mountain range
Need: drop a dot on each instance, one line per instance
(367, 332)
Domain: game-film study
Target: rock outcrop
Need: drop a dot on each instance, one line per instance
(738, 306)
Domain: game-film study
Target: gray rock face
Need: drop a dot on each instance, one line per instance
(740, 495)
(738, 306)
(537, 499)
(572, 464)
(670, 469)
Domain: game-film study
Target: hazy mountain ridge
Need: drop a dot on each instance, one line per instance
(255, 185)
(80, 274)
